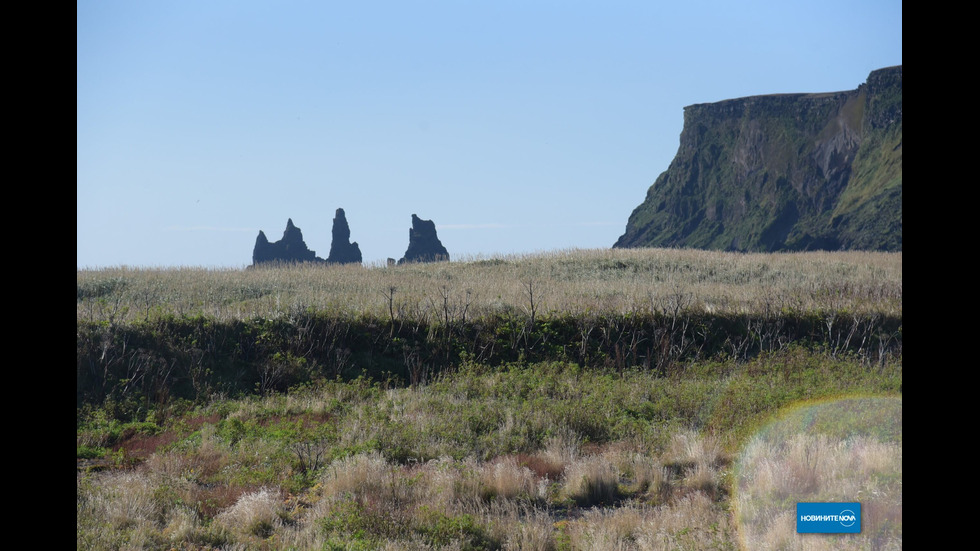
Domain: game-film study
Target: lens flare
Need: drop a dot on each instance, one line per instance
(841, 450)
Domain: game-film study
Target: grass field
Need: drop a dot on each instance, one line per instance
(627, 399)
(570, 282)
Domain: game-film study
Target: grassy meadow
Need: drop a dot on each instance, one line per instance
(614, 399)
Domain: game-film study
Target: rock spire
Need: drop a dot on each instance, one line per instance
(342, 251)
(292, 249)
(423, 243)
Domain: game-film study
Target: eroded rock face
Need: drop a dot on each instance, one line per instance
(291, 248)
(423, 243)
(342, 251)
(783, 172)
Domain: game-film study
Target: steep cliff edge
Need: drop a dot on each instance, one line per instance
(783, 172)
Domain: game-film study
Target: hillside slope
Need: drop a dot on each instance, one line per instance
(783, 172)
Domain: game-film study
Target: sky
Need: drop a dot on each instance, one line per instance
(516, 126)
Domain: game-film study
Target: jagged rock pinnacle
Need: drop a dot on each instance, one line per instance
(342, 251)
(423, 243)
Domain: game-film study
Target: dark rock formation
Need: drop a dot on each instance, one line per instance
(423, 244)
(342, 251)
(783, 172)
(291, 248)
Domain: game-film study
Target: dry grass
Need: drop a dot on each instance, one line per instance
(694, 522)
(372, 494)
(254, 514)
(644, 504)
(774, 476)
(198, 465)
(534, 531)
(592, 480)
(504, 478)
(650, 478)
(688, 448)
(128, 500)
(562, 448)
(124, 510)
(573, 282)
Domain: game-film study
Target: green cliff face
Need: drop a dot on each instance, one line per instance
(783, 172)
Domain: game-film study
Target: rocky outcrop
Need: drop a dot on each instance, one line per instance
(783, 172)
(342, 251)
(291, 248)
(423, 243)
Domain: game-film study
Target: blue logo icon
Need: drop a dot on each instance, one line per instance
(828, 518)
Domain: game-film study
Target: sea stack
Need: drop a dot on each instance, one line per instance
(342, 251)
(423, 243)
(291, 248)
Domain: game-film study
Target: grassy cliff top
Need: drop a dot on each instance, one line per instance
(576, 281)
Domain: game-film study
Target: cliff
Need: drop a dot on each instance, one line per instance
(783, 172)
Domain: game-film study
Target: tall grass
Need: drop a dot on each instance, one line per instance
(815, 468)
(834, 451)
(574, 282)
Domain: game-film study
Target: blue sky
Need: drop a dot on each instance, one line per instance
(516, 127)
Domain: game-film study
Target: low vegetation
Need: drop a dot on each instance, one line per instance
(575, 282)
(515, 403)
